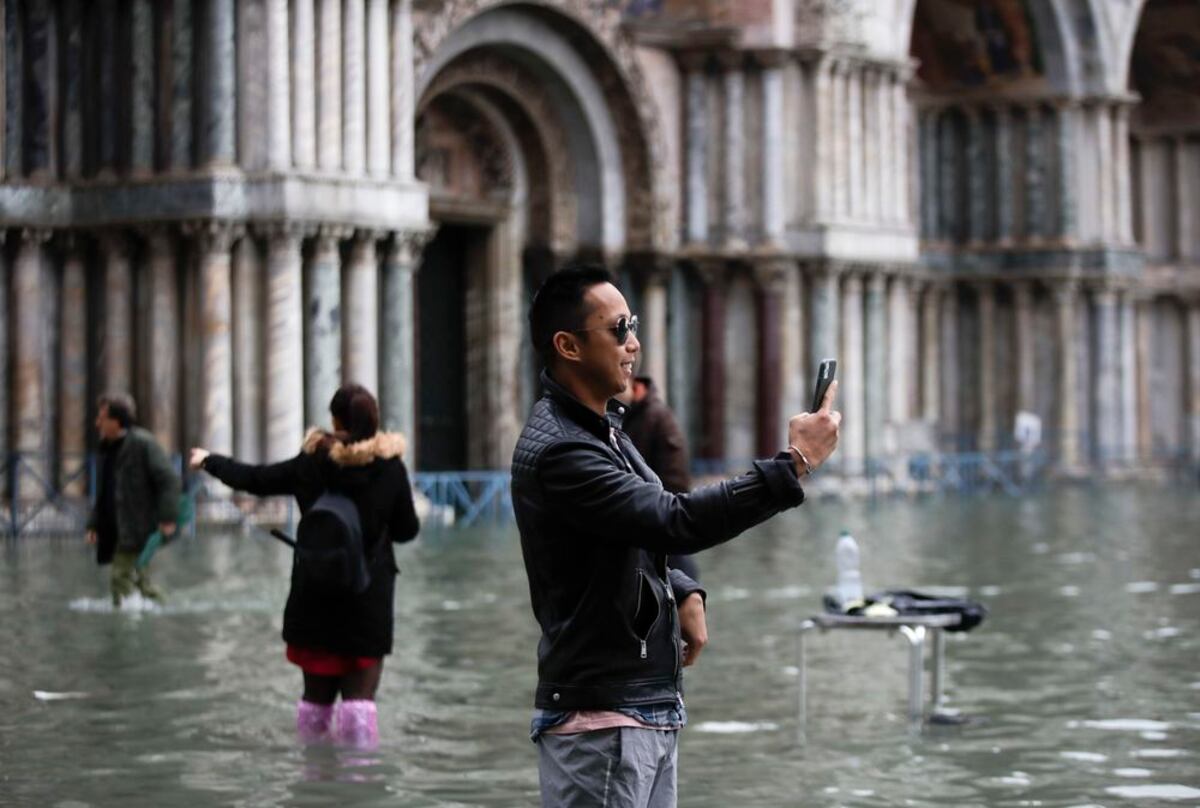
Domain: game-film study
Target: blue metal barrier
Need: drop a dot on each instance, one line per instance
(469, 497)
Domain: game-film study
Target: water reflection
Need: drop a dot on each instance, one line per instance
(1082, 683)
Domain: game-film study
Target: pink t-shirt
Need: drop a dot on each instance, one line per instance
(592, 720)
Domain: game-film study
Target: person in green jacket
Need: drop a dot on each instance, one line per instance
(137, 493)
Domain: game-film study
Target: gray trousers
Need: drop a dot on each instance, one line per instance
(625, 767)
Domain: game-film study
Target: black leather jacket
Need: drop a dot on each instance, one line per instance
(596, 527)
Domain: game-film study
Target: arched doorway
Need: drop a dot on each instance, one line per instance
(534, 154)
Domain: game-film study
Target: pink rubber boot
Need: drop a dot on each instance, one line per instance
(357, 723)
(313, 721)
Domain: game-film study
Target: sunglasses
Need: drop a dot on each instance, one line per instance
(624, 327)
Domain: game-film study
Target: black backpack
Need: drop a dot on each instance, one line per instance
(329, 545)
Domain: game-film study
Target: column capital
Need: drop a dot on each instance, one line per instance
(406, 246)
(1103, 293)
(327, 234)
(1066, 290)
(877, 283)
(214, 235)
(712, 271)
(283, 232)
(113, 242)
(730, 59)
(654, 268)
(36, 236)
(824, 268)
(68, 243)
(771, 273)
(157, 238)
(770, 58)
(693, 60)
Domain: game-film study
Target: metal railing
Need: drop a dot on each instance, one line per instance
(52, 496)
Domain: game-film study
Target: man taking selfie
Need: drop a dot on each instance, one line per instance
(618, 625)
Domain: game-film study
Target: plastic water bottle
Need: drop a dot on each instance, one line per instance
(849, 579)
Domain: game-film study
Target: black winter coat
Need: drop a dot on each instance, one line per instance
(372, 474)
(596, 527)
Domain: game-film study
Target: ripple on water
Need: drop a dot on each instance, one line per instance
(1085, 757)
(1160, 753)
(1132, 772)
(735, 727)
(1141, 587)
(1155, 792)
(1124, 724)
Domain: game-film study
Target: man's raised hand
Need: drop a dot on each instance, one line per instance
(814, 435)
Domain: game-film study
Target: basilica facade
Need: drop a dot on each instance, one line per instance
(980, 208)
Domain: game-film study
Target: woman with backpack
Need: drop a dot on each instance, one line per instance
(336, 636)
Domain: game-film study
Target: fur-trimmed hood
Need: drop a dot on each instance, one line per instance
(381, 446)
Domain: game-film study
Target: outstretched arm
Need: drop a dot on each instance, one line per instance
(272, 479)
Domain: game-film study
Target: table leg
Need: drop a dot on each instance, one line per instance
(939, 668)
(916, 658)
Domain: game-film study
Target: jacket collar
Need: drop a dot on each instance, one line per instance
(382, 446)
(578, 412)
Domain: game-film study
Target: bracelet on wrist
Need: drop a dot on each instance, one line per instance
(799, 455)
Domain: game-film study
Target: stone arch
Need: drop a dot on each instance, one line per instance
(992, 45)
(578, 46)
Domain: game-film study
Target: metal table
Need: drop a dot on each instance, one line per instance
(913, 628)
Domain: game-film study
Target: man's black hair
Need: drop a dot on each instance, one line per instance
(120, 408)
(558, 305)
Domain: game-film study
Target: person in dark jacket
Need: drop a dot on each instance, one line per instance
(656, 435)
(339, 639)
(137, 493)
(618, 624)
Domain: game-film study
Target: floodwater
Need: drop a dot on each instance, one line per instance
(1082, 687)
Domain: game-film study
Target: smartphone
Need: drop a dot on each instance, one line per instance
(825, 374)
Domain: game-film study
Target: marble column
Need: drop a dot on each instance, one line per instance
(1193, 377)
(735, 149)
(6, 315)
(825, 315)
(1065, 296)
(1068, 114)
(854, 145)
(378, 101)
(1107, 393)
(873, 417)
(1035, 185)
(930, 188)
(354, 87)
(117, 347)
(654, 333)
(403, 148)
(30, 430)
(304, 84)
(1024, 337)
(9, 93)
(1144, 316)
(851, 391)
(824, 132)
(901, 146)
(951, 389)
(986, 293)
(73, 370)
(871, 145)
(40, 101)
(1004, 192)
(141, 88)
(397, 376)
(712, 348)
(213, 241)
(329, 87)
(163, 339)
(793, 345)
(977, 179)
(1185, 211)
(1128, 380)
(887, 145)
(771, 281)
(930, 363)
(1102, 162)
(696, 148)
(71, 25)
(14, 80)
(284, 343)
(774, 172)
(323, 331)
(279, 100)
(899, 356)
(1124, 169)
(360, 332)
(218, 125)
(949, 214)
(181, 79)
(247, 340)
(839, 137)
